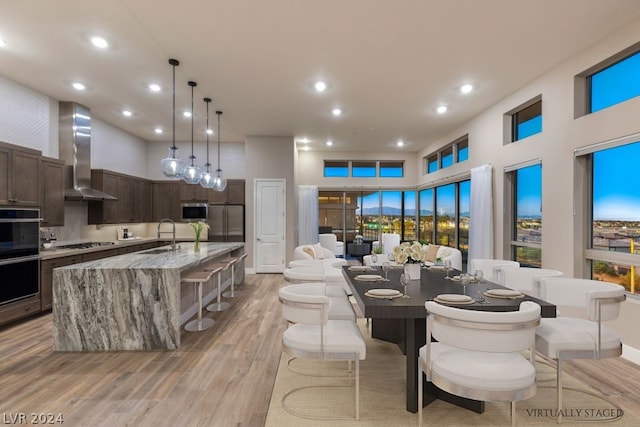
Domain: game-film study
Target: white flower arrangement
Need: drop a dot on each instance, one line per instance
(409, 253)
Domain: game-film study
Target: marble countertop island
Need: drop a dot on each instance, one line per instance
(133, 301)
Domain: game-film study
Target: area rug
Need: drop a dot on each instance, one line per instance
(382, 397)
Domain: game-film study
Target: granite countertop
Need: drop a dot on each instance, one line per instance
(55, 252)
(160, 258)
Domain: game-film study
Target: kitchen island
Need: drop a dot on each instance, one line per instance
(133, 301)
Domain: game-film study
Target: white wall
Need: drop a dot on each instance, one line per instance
(270, 157)
(116, 150)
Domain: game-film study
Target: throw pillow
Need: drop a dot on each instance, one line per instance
(309, 251)
(432, 252)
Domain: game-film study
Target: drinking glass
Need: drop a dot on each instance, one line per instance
(447, 266)
(404, 280)
(385, 268)
(479, 275)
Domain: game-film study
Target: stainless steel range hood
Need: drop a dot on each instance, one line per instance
(75, 149)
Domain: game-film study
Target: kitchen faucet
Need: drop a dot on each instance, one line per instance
(173, 238)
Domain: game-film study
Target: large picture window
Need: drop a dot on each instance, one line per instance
(615, 225)
(426, 215)
(526, 240)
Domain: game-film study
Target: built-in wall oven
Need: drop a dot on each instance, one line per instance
(19, 254)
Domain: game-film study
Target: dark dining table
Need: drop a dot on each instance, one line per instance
(403, 320)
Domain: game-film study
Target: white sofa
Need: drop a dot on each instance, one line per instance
(330, 241)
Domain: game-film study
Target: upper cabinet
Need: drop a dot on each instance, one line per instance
(19, 176)
(193, 193)
(52, 206)
(232, 195)
(166, 200)
(134, 198)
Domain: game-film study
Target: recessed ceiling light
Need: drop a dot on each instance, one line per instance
(187, 114)
(441, 109)
(99, 42)
(210, 131)
(304, 140)
(329, 143)
(466, 88)
(78, 86)
(305, 148)
(126, 113)
(400, 143)
(320, 86)
(158, 130)
(336, 112)
(154, 87)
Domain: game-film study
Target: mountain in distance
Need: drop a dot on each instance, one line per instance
(394, 211)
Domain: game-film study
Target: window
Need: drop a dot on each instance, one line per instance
(446, 215)
(426, 215)
(457, 151)
(464, 208)
(526, 240)
(409, 216)
(363, 169)
(615, 215)
(432, 163)
(446, 157)
(527, 121)
(336, 169)
(391, 169)
(463, 149)
(614, 84)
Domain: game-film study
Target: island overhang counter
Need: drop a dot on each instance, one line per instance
(133, 301)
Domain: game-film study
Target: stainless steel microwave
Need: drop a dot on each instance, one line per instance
(194, 211)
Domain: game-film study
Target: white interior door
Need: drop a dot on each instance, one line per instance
(269, 225)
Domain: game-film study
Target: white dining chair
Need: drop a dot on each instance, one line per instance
(526, 279)
(312, 335)
(491, 267)
(478, 353)
(563, 338)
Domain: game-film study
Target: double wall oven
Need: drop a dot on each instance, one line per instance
(19, 254)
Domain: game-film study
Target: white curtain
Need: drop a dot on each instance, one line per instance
(307, 214)
(481, 221)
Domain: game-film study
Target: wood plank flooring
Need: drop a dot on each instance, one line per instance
(219, 377)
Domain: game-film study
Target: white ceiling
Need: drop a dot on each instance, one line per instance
(388, 64)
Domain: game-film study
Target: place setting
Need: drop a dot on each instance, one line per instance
(384, 293)
(456, 299)
(370, 278)
(503, 293)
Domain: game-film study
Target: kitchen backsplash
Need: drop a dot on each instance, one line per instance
(77, 230)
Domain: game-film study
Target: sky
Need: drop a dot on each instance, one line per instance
(529, 192)
(616, 192)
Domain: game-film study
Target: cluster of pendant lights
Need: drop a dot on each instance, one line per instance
(173, 167)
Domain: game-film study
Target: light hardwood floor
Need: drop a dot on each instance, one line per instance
(219, 377)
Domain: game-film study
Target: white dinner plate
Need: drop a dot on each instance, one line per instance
(383, 292)
(503, 292)
(454, 298)
(369, 277)
(360, 268)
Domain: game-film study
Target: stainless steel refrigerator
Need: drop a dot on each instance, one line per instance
(226, 223)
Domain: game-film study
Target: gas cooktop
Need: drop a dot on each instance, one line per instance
(85, 245)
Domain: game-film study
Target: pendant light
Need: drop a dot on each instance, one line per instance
(207, 180)
(172, 166)
(192, 173)
(219, 182)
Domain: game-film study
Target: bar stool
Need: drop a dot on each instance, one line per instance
(241, 260)
(219, 306)
(230, 263)
(198, 278)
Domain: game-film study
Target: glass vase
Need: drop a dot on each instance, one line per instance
(196, 246)
(413, 271)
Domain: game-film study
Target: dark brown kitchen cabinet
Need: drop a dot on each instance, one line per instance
(19, 176)
(19, 309)
(46, 277)
(166, 200)
(134, 202)
(193, 193)
(52, 206)
(233, 194)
